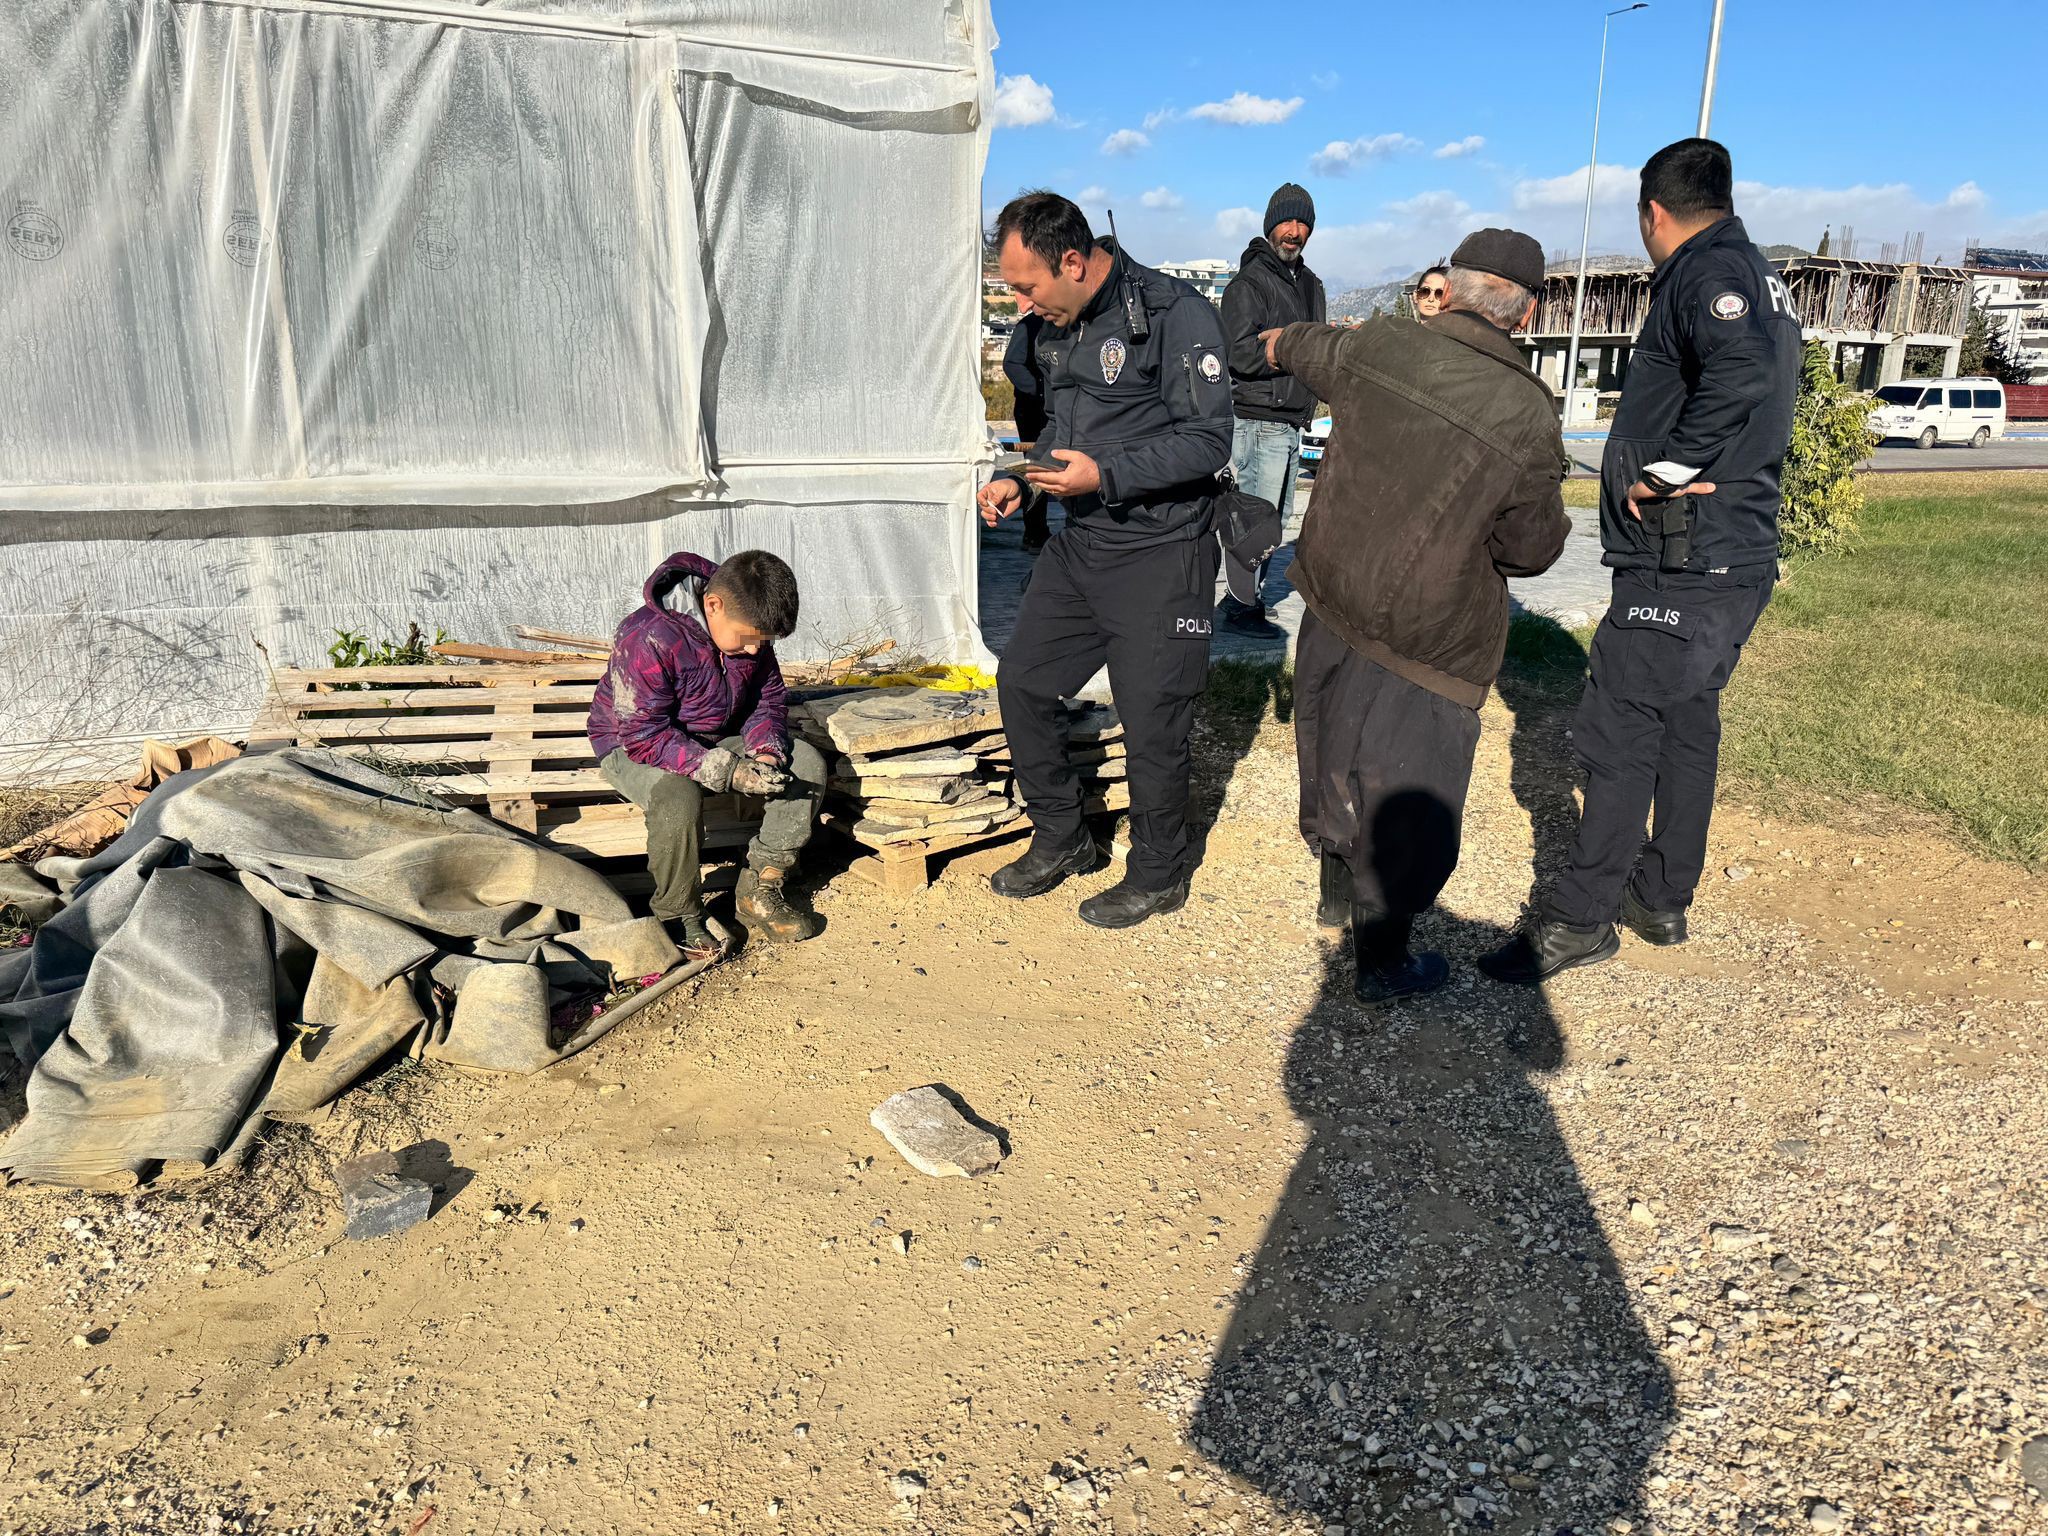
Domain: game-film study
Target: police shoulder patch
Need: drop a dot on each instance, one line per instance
(1212, 367)
(1728, 306)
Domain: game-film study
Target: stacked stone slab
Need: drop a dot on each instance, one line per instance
(917, 765)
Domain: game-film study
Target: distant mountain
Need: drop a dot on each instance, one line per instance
(1598, 261)
(1784, 252)
(1359, 303)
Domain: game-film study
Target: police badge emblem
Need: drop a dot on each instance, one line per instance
(1730, 306)
(1212, 367)
(1112, 359)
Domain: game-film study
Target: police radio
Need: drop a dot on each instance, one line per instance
(1134, 311)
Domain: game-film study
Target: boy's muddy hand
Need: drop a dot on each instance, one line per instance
(715, 769)
(759, 776)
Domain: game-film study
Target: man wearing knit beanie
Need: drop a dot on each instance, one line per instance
(1273, 287)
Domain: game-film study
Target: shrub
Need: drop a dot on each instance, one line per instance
(352, 648)
(1831, 435)
(999, 397)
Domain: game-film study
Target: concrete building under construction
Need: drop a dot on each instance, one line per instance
(1868, 313)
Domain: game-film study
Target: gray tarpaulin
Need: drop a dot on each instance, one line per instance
(266, 930)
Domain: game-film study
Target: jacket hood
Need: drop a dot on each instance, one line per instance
(671, 572)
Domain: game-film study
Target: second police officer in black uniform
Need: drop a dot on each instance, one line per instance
(1137, 400)
(1689, 497)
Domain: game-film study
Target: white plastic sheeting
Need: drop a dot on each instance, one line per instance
(320, 314)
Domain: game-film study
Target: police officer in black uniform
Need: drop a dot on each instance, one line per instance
(1689, 499)
(1138, 425)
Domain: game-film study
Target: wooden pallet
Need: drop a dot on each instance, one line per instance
(903, 869)
(509, 738)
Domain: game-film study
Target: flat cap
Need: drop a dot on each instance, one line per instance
(1505, 253)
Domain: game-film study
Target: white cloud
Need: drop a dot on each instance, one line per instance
(1021, 102)
(1550, 207)
(1237, 223)
(1093, 195)
(1611, 184)
(1325, 79)
(1244, 108)
(1162, 198)
(1458, 149)
(1125, 141)
(1159, 118)
(1432, 208)
(1341, 156)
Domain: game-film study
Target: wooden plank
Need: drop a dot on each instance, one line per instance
(435, 698)
(591, 643)
(516, 810)
(628, 840)
(718, 815)
(328, 728)
(462, 650)
(905, 876)
(288, 679)
(477, 786)
(506, 755)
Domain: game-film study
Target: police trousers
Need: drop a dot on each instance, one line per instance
(1147, 613)
(1384, 767)
(1648, 737)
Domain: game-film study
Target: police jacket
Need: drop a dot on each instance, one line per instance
(1711, 385)
(1268, 293)
(1153, 411)
(1020, 367)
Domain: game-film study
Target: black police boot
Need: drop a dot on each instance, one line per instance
(1125, 905)
(1044, 866)
(1650, 925)
(1333, 906)
(1251, 619)
(1546, 947)
(1387, 972)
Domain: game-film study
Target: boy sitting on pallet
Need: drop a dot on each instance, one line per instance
(693, 704)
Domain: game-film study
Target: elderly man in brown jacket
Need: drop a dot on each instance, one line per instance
(1441, 481)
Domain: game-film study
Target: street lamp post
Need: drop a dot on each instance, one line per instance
(1571, 356)
(1713, 64)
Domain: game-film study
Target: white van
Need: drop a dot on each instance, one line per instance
(1930, 411)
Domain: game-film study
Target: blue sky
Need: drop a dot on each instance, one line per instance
(1412, 124)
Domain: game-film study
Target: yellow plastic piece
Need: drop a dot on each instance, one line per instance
(947, 679)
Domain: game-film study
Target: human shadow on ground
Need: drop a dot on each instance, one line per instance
(1540, 685)
(1434, 1332)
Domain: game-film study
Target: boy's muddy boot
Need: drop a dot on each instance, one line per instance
(762, 903)
(694, 938)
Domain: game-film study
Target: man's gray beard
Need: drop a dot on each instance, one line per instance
(1281, 252)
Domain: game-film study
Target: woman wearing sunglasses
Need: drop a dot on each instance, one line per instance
(1429, 292)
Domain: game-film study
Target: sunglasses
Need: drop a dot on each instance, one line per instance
(1431, 293)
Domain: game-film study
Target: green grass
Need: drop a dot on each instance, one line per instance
(1911, 673)
(1913, 670)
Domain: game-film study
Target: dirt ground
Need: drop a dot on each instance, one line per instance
(1745, 1236)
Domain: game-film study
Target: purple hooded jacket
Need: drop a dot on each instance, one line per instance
(670, 695)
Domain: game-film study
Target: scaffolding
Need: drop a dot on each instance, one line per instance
(1616, 303)
(1878, 298)
(1829, 293)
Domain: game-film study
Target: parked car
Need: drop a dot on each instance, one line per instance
(1930, 411)
(1315, 438)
